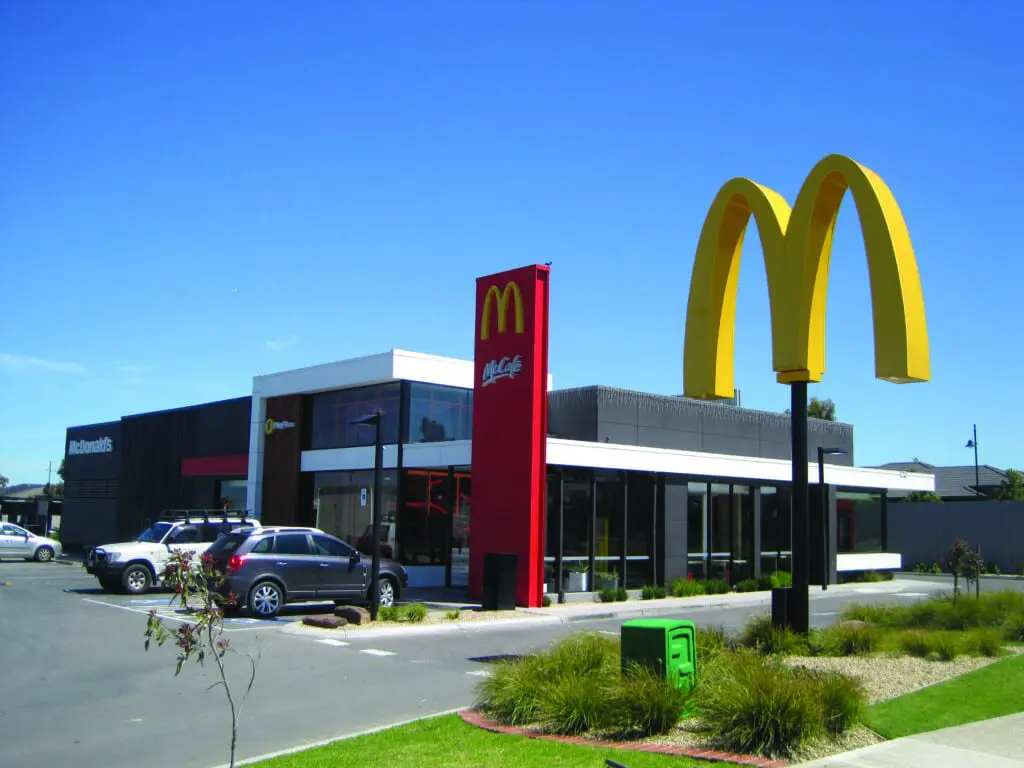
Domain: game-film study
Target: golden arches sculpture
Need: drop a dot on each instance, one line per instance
(797, 246)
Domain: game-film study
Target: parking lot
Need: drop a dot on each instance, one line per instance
(78, 687)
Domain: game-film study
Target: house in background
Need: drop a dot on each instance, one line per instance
(29, 506)
(952, 483)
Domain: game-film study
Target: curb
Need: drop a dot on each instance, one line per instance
(473, 717)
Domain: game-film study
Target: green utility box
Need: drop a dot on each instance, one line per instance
(669, 646)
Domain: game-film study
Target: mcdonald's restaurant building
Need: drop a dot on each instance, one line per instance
(590, 487)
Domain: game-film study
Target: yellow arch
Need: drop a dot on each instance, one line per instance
(709, 352)
(797, 245)
(900, 328)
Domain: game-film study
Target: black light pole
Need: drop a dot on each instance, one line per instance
(973, 443)
(799, 607)
(826, 554)
(378, 477)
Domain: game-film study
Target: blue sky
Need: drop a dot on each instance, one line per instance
(193, 193)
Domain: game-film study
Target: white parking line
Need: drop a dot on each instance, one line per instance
(911, 594)
(165, 614)
(332, 641)
(376, 652)
(480, 673)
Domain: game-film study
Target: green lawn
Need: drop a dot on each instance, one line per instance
(993, 691)
(447, 741)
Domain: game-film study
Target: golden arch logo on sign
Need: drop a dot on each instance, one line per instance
(501, 299)
(797, 245)
(270, 426)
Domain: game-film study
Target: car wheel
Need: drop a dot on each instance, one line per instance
(44, 554)
(136, 579)
(265, 600)
(109, 585)
(386, 591)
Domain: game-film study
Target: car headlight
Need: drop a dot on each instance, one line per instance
(113, 557)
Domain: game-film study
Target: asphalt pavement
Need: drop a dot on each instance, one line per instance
(78, 687)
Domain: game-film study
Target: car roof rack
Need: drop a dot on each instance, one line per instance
(240, 517)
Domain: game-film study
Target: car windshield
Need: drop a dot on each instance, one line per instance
(155, 533)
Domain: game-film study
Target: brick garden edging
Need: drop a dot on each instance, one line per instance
(474, 717)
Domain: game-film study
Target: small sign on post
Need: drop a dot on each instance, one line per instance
(362, 497)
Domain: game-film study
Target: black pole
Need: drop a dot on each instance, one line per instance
(825, 565)
(799, 615)
(977, 480)
(378, 482)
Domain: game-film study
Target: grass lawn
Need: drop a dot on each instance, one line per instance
(993, 691)
(447, 741)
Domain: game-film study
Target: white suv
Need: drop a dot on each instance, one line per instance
(137, 566)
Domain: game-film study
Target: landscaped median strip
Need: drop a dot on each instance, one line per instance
(473, 717)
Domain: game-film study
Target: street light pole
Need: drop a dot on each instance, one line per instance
(378, 478)
(825, 516)
(973, 443)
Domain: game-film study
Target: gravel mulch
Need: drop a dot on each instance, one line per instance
(886, 677)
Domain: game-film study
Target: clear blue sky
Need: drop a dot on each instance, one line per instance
(193, 193)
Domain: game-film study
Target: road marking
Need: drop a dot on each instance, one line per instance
(376, 652)
(332, 641)
(911, 594)
(608, 632)
(480, 673)
(163, 615)
(825, 613)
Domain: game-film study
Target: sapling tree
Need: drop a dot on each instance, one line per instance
(194, 583)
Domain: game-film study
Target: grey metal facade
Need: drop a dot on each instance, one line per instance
(606, 414)
(923, 531)
(91, 487)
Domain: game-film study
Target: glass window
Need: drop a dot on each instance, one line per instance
(13, 530)
(608, 533)
(552, 519)
(577, 512)
(859, 522)
(424, 517)
(334, 412)
(231, 494)
(293, 544)
(185, 535)
(437, 413)
(721, 514)
(325, 545)
(264, 546)
(641, 495)
(344, 508)
(696, 528)
(775, 531)
(742, 534)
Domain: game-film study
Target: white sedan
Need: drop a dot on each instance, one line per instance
(17, 542)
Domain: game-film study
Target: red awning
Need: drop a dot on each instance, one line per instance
(215, 465)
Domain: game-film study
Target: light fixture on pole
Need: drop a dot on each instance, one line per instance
(973, 443)
(825, 552)
(374, 421)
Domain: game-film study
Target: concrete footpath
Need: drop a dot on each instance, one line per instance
(568, 613)
(997, 743)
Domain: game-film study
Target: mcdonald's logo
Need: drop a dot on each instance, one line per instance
(797, 245)
(270, 426)
(501, 299)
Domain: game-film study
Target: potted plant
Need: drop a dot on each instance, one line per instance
(609, 580)
(578, 572)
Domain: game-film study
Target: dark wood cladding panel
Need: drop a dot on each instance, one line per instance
(153, 445)
(282, 464)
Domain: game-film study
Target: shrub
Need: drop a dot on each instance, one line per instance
(756, 706)
(947, 645)
(760, 635)
(687, 588)
(653, 592)
(782, 579)
(546, 602)
(613, 595)
(919, 568)
(413, 613)
(916, 642)
(711, 641)
(518, 692)
(871, 576)
(1013, 627)
(748, 585)
(935, 568)
(454, 615)
(716, 586)
(574, 704)
(852, 639)
(983, 642)
(645, 702)
(764, 582)
(843, 701)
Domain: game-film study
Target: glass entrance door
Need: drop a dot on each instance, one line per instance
(434, 526)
